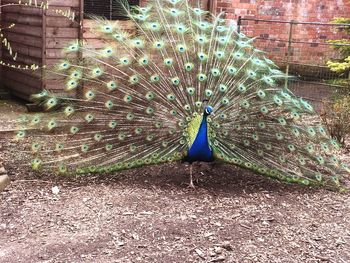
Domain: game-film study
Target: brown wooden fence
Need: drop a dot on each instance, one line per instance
(37, 37)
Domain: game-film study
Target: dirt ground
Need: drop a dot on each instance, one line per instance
(149, 215)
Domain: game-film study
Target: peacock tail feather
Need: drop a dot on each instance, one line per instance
(143, 92)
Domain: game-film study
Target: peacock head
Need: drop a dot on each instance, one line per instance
(208, 110)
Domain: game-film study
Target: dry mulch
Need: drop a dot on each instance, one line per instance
(149, 215)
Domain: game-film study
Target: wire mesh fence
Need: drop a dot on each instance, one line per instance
(302, 49)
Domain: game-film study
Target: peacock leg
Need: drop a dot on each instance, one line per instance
(191, 185)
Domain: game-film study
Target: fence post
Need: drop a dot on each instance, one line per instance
(239, 23)
(289, 53)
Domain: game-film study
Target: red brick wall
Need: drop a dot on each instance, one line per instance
(299, 10)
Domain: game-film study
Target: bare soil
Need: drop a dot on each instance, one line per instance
(149, 215)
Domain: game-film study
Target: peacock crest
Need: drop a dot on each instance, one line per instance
(143, 99)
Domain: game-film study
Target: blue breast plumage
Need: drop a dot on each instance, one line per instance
(200, 150)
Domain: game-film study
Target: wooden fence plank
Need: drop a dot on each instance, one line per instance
(24, 39)
(26, 10)
(28, 20)
(64, 3)
(26, 81)
(57, 42)
(22, 61)
(23, 29)
(58, 54)
(60, 22)
(62, 32)
(26, 50)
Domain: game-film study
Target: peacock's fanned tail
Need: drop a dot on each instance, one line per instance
(142, 93)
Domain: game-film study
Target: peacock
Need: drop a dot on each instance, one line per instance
(182, 86)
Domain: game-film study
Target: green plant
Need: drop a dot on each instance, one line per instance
(338, 82)
(336, 113)
(343, 45)
(336, 116)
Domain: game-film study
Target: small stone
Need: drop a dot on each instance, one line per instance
(120, 244)
(200, 253)
(128, 214)
(55, 190)
(142, 246)
(218, 250)
(212, 253)
(218, 259)
(4, 182)
(208, 234)
(146, 213)
(226, 245)
(265, 223)
(135, 236)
